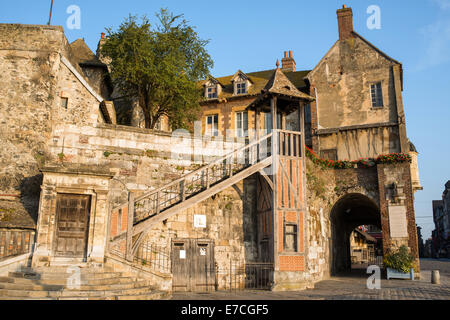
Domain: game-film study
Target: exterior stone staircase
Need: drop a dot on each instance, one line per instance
(55, 283)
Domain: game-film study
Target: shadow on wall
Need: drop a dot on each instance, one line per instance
(30, 189)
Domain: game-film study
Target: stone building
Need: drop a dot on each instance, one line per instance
(199, 212)
(362, 247)
(441, 217)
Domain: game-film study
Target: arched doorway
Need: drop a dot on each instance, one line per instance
(350, 212)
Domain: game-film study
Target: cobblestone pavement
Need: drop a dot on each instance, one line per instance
(351, 287)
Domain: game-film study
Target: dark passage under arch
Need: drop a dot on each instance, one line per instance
(349, 212)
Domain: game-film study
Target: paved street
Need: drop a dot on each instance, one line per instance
(352, 287)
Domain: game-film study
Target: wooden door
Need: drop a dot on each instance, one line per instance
(181, 266)
(193, 265)
(203, 273)
(72, 225)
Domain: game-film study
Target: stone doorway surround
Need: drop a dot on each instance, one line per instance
(77, 180)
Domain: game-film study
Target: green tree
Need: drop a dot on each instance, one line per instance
(159, 66)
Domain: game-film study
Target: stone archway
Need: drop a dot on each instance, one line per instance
(348, 213)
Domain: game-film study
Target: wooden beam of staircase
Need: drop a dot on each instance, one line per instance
(146, 225)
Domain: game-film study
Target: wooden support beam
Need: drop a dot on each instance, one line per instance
(268, 180)
(273, 110)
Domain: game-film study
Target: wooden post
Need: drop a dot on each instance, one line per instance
(130, 221)
(158, 209)
(273, 108)
(183, 190)
(275, 138)
(108, 230)
(302, 142)
(231, 164)
(257, 128)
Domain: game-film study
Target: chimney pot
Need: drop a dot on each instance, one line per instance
(288, 62)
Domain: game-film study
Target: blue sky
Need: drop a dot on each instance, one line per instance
(252, 35)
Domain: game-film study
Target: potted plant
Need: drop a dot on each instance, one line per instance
(399, 264)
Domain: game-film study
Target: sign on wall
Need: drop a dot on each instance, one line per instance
(200, 221)
(397, 222)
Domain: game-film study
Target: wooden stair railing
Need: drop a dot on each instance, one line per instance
(181, 194)
(176, 192)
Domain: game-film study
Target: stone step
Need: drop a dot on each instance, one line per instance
(52, 283)
(64, 269)
(60, 275)
(101, 293)
(25, 299)
(150, 296)
(63, 282)
(30, 287)
(73, 293)
(47, 287)
(155, 295)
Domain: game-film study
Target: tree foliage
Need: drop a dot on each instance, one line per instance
(159, 66)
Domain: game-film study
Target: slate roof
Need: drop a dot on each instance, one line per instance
(84, 55)
(280, 84)
(259, 82)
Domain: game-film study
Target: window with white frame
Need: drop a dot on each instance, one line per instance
(212, 125)
(269, 122)
(377, 95)
(242, 124)
(211, 92)
(241, 88)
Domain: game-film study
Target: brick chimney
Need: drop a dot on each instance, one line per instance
(345, 22)
(288, 62)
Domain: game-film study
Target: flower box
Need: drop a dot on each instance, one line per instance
(394, 274)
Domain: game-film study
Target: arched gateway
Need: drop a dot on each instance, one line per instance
(349, 212)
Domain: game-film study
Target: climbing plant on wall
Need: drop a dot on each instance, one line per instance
(360, 163)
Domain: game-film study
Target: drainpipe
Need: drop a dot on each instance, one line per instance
(317, 114)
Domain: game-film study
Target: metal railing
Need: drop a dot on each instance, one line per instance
(245, 276)
(153, 257)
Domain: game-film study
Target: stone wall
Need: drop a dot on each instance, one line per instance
(141, 160)
(33, 81)
(397, 209)
(341, 83)
(325, 187)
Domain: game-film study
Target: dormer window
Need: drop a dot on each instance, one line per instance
(241, 88)
(211, 92)
(213, 88)
(241, 83)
